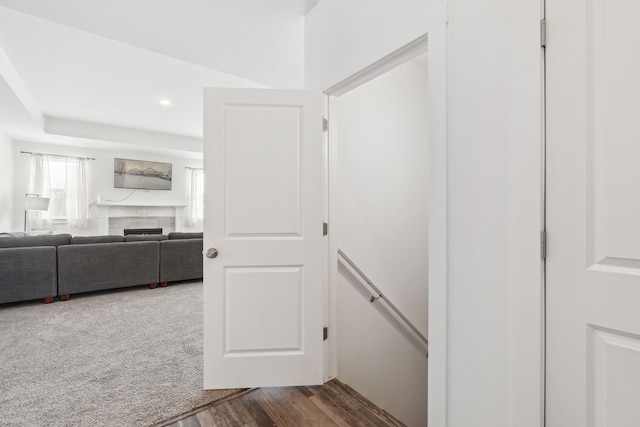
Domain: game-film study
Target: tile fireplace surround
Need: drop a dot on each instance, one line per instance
(114, 218)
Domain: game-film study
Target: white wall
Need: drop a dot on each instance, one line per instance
(6, 182)
(381, 224)
(494, 327)
(100, 180)
(343, 37)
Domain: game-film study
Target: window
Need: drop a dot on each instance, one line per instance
(58, 189)
(64, 180)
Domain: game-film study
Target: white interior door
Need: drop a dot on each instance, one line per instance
(263, 293)
(593, 217)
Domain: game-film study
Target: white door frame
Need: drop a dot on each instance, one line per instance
(434, 42)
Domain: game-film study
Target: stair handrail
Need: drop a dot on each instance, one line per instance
(343, 256)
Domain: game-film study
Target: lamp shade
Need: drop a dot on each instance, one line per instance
(36, 203)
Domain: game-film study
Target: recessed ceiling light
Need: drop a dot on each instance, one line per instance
(164, 102)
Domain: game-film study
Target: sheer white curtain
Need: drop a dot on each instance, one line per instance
(39, 184)
(75, 207)
(195, 204)
(77, 199)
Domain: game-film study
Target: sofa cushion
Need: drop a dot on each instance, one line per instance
(182, 235)
(144, 237)
(93, 267)
(27, 273)
(180, 259)
(81, 240)
(30, 241)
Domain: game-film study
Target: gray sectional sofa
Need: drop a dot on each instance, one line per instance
(34, 267)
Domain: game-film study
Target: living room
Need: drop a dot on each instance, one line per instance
(100, 144)
(293, 50)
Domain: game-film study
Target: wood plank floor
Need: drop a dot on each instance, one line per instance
(332, 404)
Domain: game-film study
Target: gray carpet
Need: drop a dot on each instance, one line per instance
(125, 358)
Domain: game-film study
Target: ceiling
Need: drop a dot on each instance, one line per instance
(92, 73)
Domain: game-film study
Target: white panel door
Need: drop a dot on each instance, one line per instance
(263, 293)
(593, 217)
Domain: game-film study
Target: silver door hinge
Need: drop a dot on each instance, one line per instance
(325, 333)
(325, 124)
(325, 228)
(543, 244)
(543, 33)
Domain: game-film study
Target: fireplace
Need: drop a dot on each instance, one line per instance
(115, 218)
(142, 231)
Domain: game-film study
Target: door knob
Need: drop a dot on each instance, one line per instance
(212, 253)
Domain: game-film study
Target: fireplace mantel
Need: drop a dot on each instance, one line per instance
(110, 210)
